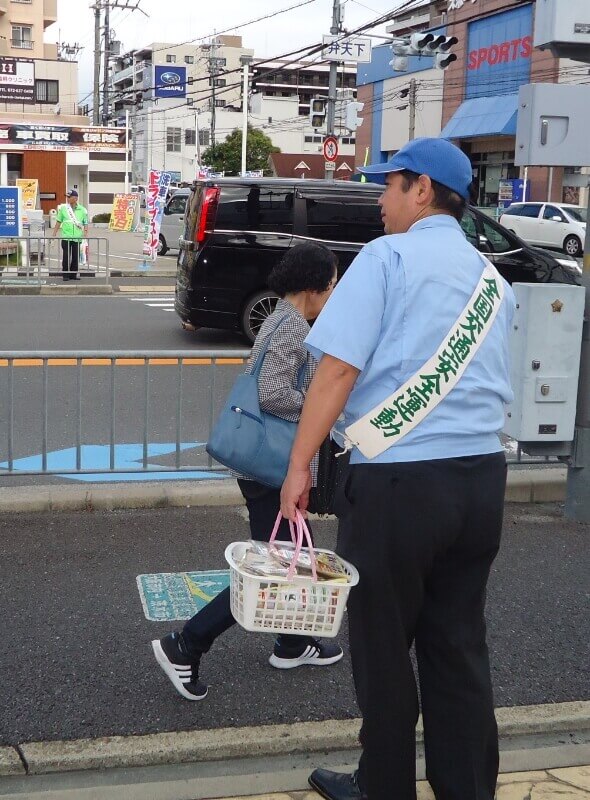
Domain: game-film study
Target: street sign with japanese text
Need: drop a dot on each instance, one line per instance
(349, 48)
(125, 212)
(330, 148)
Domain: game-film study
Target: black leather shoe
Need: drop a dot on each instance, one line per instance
(336, 785)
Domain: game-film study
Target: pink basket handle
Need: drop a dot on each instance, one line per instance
(298, 530)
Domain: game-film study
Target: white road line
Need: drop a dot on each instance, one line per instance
(160, 305)
(151, 299)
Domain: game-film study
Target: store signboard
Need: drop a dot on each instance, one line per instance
(170, 81)
(10, 211)
(17, 80)
(19, 136)
(499, 53)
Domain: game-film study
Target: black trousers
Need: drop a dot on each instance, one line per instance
(263, 504)
(70, 257)
(423, 536)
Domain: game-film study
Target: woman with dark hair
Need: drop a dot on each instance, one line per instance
(303, 280)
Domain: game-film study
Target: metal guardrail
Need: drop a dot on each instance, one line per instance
(80, 361)
(71, 432)
(31, 260)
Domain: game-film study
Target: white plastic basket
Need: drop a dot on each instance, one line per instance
(281, 605)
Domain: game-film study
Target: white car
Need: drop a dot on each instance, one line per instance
(559, 225)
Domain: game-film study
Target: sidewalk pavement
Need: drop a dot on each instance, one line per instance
(524, 486)
(572, 783)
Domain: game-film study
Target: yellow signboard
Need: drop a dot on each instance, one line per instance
(125, 213)
(29, 188)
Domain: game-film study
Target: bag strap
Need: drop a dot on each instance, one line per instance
(260, 358)
(387, 423)
(264, 349)
(298, 530)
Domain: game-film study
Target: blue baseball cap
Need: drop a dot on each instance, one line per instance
(72, 193)
(442, 161)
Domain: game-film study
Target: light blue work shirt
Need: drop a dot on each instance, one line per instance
(390, 313)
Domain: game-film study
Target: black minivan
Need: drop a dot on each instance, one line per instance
(236, 229)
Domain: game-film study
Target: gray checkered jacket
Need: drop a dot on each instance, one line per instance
(285, 357)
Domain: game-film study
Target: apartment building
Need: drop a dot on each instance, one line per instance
(44, 133)
(171, 133)
(163, 117)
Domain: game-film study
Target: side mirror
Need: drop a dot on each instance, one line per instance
(556, 218)
(166, 210)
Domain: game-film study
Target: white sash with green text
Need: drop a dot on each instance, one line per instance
(388, 423)
(73, 219)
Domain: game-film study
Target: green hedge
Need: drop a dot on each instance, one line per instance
(106, 217)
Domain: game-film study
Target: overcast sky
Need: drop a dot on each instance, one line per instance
(181, 20)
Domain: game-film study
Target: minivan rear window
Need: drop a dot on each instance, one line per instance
(343, 219)
(255, 208)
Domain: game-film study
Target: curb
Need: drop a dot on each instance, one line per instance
(525, 486)
(74, 291)
(144, 273)
(183, 747)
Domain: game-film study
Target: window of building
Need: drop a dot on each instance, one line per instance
(190, 136)
(173, 140)
(170, 58)
(204, 138)
(46, 91)
(189, 59)
(308, 138)
(220, 104)
(217, 81)
(221, 62)
(22, 36)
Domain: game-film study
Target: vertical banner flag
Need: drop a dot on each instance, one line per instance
(125, 213)
(155, 200)
(29, 188)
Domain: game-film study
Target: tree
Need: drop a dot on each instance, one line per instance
(227, 156)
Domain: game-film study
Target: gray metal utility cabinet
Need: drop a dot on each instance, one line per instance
(552, 125)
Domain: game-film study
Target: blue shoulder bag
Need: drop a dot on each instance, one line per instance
(250, 441)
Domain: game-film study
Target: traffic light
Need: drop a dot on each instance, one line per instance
(317, 112)
(352, 121)
(423, 44)
(443, 55)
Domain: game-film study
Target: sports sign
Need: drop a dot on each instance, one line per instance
(499, 53)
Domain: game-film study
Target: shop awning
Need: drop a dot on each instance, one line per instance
(483, 116)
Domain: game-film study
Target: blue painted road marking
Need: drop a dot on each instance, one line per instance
(97, 456)
(169, 596)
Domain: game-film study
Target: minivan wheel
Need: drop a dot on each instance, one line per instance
(257, 309)
(572, 246)
(162, 246)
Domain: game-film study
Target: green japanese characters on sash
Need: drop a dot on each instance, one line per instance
(423, 392)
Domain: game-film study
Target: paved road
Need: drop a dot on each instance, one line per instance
(75, 652)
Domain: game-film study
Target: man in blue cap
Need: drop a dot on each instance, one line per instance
(413, 347)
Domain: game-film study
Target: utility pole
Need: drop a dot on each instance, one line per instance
(107, 52)
(412, 104)
(96, 93)
(213, 72)
(331, 105)
(245, 61)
